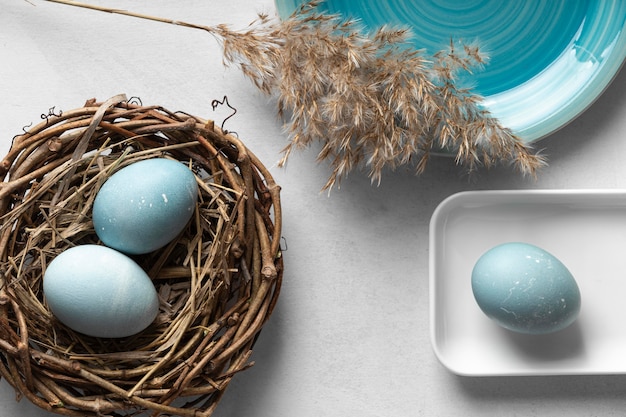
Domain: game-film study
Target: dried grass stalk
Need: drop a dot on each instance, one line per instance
(370, 99)
(218, 282)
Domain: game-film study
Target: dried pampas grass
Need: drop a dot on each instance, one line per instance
(370, 99)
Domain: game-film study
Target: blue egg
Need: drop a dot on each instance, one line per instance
(100, 292)
(525, 289)
(145, 205)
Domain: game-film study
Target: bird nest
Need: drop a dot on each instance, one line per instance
(218, 281)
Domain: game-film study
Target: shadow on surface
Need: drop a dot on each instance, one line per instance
(580, 132)
(250, 389)
(562, 345)
(532, 388)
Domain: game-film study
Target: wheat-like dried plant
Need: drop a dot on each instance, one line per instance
(370, 98)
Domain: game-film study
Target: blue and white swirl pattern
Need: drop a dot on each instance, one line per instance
(549, 59)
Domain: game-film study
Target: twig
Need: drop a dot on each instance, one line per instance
(131, 14)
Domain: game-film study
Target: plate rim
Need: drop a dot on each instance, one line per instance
(561, 116)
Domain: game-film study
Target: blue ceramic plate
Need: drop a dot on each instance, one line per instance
(549, 59)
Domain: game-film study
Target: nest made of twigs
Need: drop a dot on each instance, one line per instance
(218, 282)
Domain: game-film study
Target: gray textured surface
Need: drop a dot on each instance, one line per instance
(350, 333)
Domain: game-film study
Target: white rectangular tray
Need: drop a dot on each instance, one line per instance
(585, 229)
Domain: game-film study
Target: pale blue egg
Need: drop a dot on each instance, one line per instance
(98, 291)
(525, 289)
(145, 205)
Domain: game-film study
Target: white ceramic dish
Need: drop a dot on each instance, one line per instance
(586, 230)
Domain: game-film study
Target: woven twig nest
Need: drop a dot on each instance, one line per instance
(218, 282)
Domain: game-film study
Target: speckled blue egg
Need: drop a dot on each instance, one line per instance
(98, 291)
(525, 289)
(145, 205)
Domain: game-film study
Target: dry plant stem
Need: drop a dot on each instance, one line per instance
(131, 14)
(368, 97)
(218, 281)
